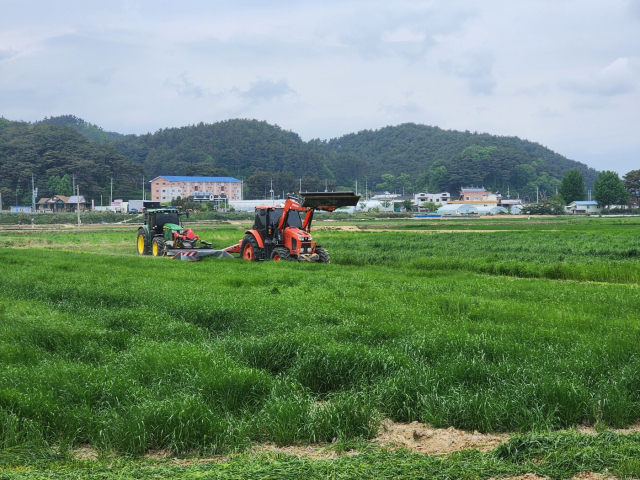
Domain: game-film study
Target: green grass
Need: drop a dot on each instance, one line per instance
(507, 331)
(556, 456)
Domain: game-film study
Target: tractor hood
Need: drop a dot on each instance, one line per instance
(173, 226)
(299, 234)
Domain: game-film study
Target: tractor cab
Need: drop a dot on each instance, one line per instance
(284, 232)
(156, 219)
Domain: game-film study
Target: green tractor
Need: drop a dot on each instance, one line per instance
(164, 234)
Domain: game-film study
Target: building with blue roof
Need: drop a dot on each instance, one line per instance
(166, 188)
(584, 207)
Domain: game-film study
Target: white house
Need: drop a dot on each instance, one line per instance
(437, 198)
(584, 207)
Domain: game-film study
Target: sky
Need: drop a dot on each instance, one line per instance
(562, 73)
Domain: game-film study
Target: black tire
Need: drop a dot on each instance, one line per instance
(280, 254)
(249, 250)
(142, 248)
(323, 254)
(158, 247)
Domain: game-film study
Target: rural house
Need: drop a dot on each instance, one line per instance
(437, 198)
(62, 203)
(584, 207)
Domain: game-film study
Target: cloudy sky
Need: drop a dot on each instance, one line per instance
(563, 73)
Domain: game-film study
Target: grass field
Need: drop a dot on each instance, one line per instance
(525, 327)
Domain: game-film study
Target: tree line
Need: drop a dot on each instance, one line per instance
(406, 158)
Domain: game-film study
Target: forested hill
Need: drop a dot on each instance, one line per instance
(406, 157)
(51, 152)
(92, 132)
(446, 159)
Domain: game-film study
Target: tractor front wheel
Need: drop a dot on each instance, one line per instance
(250, 249)
(280, 254)
(323, 255)
(157, 247)
(142, 244)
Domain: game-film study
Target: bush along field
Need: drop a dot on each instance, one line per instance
(525, 330)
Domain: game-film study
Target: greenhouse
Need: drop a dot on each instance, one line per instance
(458, 209)
(491, 210)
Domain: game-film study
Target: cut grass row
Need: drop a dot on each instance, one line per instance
(598, 250)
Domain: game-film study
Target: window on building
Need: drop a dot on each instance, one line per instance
(468, 199)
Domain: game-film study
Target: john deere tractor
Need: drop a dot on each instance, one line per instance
(163, 233)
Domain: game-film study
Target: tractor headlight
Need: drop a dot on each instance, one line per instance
(301, 238)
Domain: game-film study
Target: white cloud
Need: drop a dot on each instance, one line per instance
(265, 91)
(477, 69)
(616, 78)
(185, 88)
(563, 74)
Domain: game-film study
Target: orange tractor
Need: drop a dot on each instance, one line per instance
(282, 233)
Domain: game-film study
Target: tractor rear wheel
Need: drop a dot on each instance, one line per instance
(323, 253)
(250, 249)
(157, 247)
(280, 254)
(142, 244)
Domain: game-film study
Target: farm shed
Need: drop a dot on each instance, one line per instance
(457, 209)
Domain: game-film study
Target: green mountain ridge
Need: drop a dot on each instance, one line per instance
(409, 157)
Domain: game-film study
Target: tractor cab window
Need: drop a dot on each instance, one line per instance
(166, 217)
(260, 220)
(274, 217)
(294, 219)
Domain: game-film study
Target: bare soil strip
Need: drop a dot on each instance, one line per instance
(417, 437)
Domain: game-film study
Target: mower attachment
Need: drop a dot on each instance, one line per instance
(328, 201)
(196, 254)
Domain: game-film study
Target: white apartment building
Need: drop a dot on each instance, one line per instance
(168, 187)
(438, 198)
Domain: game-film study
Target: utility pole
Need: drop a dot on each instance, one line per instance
(143, 187)
(325, 184)
(78, 203)
(537, 199)
(111, 194)
(300, 190)
(34, 192)
(356, 186)
(271, 191)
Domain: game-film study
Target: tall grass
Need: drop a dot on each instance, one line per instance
(130, 353)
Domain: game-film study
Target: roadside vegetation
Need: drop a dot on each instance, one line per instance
(528, 329)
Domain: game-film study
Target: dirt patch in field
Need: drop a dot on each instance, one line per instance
(85, 452)
(624, 431)
(526, 476)
(533, 476)
(314, 452)
(422, 438)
